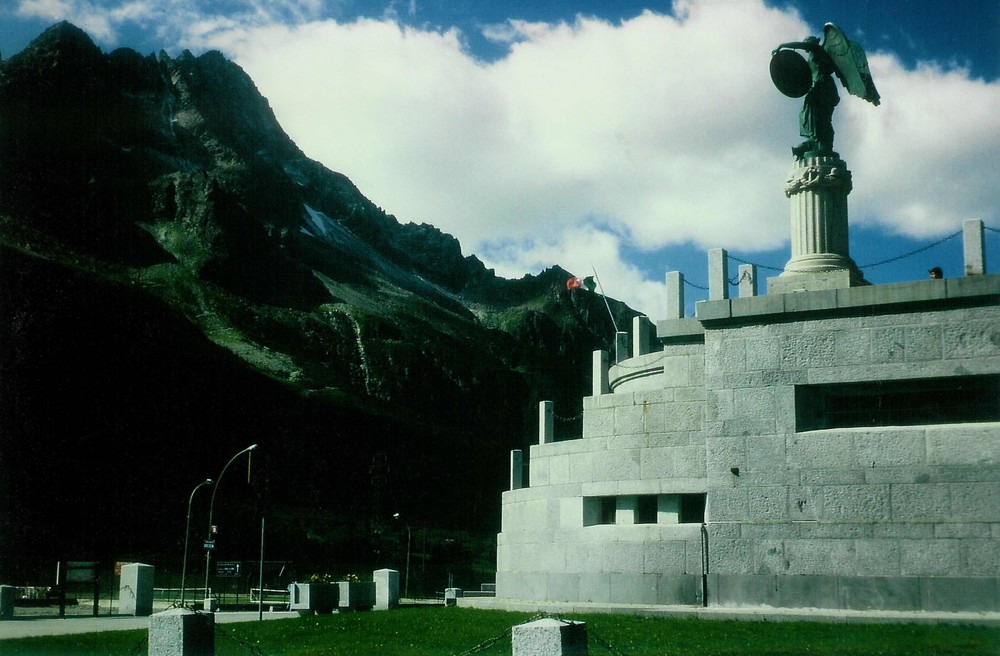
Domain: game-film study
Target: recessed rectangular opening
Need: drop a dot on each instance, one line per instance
(692, 508)
(645, 509)
(915, 402)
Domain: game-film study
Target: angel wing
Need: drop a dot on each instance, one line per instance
(851, 64)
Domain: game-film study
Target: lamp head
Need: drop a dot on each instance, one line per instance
(395, 515)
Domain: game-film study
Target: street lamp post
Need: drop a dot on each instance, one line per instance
(211, 508)
(406, 584)
(187, 534)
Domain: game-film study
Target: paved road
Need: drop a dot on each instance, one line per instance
(25, 626)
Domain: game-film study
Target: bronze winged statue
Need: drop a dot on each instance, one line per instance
(796, 77)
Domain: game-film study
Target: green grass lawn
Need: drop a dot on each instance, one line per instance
(444, 631)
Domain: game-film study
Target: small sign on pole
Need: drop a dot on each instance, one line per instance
(210, 544)
(227, 569)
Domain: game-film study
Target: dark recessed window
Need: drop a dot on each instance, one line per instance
(952, 400)
(645, 509)
(692, 509)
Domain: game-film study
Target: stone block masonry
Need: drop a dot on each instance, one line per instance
(837, 448)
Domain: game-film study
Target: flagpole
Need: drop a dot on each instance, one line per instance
(605, 297)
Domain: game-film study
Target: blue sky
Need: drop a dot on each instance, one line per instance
(624, 136)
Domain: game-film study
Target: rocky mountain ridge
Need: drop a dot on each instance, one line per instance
(165, 189)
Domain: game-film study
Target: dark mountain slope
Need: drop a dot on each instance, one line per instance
(178, 280)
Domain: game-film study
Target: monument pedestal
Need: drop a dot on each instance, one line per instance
(817, 188)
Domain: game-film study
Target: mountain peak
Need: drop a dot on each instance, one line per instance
(63, 38)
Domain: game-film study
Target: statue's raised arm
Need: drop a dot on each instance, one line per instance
(796, 77)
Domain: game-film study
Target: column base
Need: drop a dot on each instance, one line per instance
(812, 281)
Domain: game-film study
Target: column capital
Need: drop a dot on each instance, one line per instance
(816, 173)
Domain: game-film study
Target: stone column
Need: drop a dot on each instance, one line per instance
(817, 188)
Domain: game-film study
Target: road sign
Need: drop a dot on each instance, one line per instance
(227, 569)
(210, 544)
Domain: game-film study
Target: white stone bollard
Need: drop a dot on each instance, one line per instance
(181, 632)
(8, 594)
(386, 588)
(550, 637)
(452, 595)
(135, 592)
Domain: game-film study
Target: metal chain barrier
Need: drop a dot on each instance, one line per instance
(913, 252)
(567, 420)
(861, 266)
(486, 644)
(691, 284)
(227, 633)
(605, 644)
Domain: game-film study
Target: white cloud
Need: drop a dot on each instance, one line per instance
(658, 131)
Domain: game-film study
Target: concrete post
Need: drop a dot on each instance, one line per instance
(8, 594)
(600, 381)
(675, 295)
(135, 592)
(546, 422)
(182, 632)
(974, 246)
(718, 274)
(748, 280)
(643, 331)
(516, 469)
(550, 637)
(386, 588)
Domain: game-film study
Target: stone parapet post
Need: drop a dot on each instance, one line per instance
(621, 346)
(546, 422)
(516, 469)
(675, 295)
(718, 274)
(974, 246)
(748, 280)
(643, 333)
(600, 380)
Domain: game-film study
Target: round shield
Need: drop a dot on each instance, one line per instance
(790, 73)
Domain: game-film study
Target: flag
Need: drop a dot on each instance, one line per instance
(581, 283)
